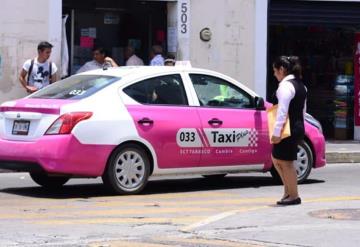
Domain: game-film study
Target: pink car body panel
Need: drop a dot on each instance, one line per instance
(167, 120)
(59, 154)
(62, 154)
(318, 145)
(162, 136)
(249, 127)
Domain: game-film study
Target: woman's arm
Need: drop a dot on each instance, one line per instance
(285, 94)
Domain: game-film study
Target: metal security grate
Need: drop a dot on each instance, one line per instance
(305, 13)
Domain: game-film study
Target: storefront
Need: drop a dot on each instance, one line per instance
(113, 25)
(322, 34)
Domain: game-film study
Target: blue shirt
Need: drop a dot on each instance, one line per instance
(158, 60)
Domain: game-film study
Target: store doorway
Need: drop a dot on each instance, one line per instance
(113, 25)
(322, 34)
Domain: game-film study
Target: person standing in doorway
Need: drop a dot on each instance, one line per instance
(170, 60)
(100, 61)
(291, 97)
(39, 72)
(156, 56)
(131, 58)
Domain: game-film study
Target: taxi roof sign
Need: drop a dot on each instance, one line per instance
(185, 63)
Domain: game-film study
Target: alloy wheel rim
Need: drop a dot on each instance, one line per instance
(130, 170)
(302, 162)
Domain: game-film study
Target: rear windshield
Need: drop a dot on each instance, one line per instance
(75, 87)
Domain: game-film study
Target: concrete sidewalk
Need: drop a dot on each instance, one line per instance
(343, 151)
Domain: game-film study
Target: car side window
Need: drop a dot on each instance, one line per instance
(215, 92)
(161, 90)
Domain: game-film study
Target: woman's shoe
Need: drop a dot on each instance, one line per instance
(282, 199)
(289, 202)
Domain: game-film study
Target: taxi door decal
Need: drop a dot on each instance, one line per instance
(189, 137)
(203, 137)
(221, 137)
(231, 137)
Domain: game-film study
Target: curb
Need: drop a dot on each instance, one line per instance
(343, 157)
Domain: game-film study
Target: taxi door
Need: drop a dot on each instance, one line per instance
(235, 132)
(165, 120)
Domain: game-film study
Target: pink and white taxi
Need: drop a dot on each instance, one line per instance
(127, 124)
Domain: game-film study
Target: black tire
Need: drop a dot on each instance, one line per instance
(303, 164)
(50, 182)
(128, 155)
(215, 176)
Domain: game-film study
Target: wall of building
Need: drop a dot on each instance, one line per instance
(237, 47)
(231, 49)
(23, 24)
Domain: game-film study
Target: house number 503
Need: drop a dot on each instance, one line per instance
(184, 17)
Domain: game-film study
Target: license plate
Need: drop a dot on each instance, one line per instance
(21, 127)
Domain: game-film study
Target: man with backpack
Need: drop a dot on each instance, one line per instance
(38, 72)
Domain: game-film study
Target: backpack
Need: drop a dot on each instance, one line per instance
(31, 68)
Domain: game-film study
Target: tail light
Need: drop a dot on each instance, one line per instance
(65, 123)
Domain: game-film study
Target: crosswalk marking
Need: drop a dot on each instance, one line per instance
(175, 241)
(194, 210)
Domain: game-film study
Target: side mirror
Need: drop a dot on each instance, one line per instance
(259, 103)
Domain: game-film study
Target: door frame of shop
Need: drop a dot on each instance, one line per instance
(288, 14)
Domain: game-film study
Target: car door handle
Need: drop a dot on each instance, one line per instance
(145, 121)
(215, 121)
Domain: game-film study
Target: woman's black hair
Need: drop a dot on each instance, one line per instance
(291, 64)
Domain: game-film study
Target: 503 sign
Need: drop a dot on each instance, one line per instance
(184, 17)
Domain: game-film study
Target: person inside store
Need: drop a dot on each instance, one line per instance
(170, 60)
(156, 56)
(38, 72)
(100, 61)
(291, 98)
(131, 58)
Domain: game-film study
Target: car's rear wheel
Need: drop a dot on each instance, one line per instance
(50, 182)
(303, 164)
(128, 170)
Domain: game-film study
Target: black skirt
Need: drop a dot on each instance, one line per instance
(286, 150)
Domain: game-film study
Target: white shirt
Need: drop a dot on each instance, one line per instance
(39, 76)
(91, 65)
(285, 93)
(134, 61)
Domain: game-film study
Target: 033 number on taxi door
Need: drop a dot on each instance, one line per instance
(188, 137)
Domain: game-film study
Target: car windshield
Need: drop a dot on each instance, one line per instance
(75, 87)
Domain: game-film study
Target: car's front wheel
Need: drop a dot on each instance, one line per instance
(50, 182)
(128, 170)
(303, 164)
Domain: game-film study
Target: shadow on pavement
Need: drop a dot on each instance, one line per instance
(164, 186)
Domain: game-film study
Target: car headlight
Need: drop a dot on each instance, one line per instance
(311, 120)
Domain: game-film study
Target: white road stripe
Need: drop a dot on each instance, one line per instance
(218, 217)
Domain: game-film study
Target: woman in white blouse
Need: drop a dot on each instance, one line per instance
(291, 97)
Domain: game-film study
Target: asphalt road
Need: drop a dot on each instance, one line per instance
(238, 210)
